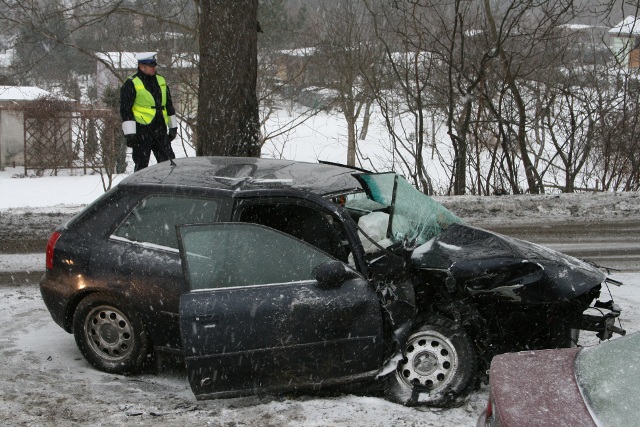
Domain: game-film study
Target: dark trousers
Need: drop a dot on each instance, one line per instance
(151, 139)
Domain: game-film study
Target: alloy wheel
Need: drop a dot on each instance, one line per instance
(109, 333)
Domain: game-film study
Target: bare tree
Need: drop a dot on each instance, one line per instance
(523, 30)
(344, 53)
(482, 65)
(615, 164)
(436, 70)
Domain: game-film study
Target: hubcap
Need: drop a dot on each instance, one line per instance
(425, 363)
(109, 333)
(430, 361)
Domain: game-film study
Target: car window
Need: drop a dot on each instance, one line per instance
(609, 378)
(239, 254)
(302, 222)
(154, 219)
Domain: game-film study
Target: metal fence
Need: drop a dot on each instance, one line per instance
(86, 139)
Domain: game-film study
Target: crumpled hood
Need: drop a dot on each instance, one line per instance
(483, 262)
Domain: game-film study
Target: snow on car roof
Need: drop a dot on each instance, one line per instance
(248, 173)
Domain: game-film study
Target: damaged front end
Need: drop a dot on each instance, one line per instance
(604, 318)
(455, 296)
(511, 294)
(531, 296)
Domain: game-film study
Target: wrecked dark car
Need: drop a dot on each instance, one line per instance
(270, 275)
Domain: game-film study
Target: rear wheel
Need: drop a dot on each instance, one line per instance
(110, 335)
(439, 365)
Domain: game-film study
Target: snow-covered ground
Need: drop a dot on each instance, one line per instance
(45, 381)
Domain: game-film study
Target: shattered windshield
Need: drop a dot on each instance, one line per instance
(393, 210)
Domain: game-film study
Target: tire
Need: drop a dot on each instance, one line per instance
(110, 335)
(438, 366)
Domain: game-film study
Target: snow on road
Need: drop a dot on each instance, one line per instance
(45, 381)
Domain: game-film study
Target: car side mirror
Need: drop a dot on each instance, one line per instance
(331, 274)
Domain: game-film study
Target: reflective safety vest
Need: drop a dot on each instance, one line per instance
(144, 106)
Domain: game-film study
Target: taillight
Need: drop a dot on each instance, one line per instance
(51, 244)
(490, 415)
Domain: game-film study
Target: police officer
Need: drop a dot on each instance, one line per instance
(147, 111)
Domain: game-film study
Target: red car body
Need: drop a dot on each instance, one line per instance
(587, 386)
(536, 388)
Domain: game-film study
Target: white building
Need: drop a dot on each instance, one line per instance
(625, 42)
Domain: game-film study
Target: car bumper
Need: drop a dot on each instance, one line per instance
(601, 319)
(57, 297)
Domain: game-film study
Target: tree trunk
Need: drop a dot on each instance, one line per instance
(533, 180)
(228, 122)
(351, 141)
(348, 110)
(365, 120)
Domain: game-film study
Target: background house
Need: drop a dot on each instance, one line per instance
(291, 65)
(587, 44)
(13, 101)
(112, 68)
(625, 42)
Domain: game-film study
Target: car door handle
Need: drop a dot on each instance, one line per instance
(207, 318)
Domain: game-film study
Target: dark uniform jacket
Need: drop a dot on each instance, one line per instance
(152, 137)
(128, 95)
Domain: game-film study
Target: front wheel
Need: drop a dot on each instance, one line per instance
(110, 336)
(439, 365)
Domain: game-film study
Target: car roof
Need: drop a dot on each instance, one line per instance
(247, 173)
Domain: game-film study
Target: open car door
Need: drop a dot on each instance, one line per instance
(257, 320)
